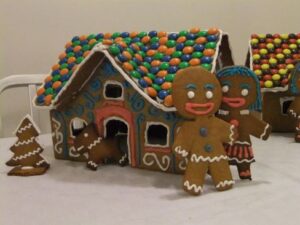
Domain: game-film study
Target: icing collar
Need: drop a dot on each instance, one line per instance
(225, 112)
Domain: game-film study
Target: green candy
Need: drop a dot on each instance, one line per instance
(130, 51)
(164, 66)
(86, 48)
(151, 76)
(56, 78)
(210, 45)
(141, 53)
(49, 91)
(91, 36)
(70, 54)
(189, 43)
(133, 64)
(202, 33)
(75, 43)
(147, 65)
(114, 50)
(135, 74)
(156, 87)
(171, 43)
(127, 40)
(197, 54)
(140, 44)
(79, 60)
(142, 34)
(115, 35)
(183, 65)
(206, 66)
(154, 40)
(63, 66)
(158, 56)
(183, 33)
(177, 54)
(64, 83)
(170, 77)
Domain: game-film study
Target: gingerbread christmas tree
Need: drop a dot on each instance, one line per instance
(27, 160)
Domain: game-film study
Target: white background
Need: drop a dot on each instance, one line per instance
(33, 32)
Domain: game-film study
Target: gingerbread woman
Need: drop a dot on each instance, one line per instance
(197, 96)
(294, 109)
(241, 95)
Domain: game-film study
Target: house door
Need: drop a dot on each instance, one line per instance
(114, 121)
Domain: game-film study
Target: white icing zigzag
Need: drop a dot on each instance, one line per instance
(194, 187)
(95, 142)
(93, 164)
(164, 166)
(231, 135)
(294, 114)
(22, 129)
(196, 159)
(123, 158)
(241, 161)
(183, 163)
(40, 162)
(224, 183)
(181, 151)
(265, 131)
(58, 136)
(30, 140)
(27, 154)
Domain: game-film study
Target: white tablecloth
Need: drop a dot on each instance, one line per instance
(71, 194)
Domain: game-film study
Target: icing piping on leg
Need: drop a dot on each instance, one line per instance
(225, 183)
(181, 151)
(193, 187)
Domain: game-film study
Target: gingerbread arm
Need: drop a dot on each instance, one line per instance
(258, 128)
(182, 141)
(294, 108)
(227, 131)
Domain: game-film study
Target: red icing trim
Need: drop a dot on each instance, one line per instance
(234, 102)
(113, 103)
(192, 108)
(157, 149)
(117, 111)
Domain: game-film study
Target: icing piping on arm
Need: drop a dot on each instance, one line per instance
(224, 183)
(180, 151)
(265, 131)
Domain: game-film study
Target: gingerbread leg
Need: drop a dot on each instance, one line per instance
(297, 131)
(194, 177)
(221, 175)
(244, 171)
(92, 165)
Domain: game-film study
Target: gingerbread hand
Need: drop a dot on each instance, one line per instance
(267, 131)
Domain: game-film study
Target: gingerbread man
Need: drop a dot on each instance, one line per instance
(98, 148)
(294, 109)
(241, 95)
(197, 96)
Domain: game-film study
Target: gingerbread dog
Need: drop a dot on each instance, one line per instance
(197, 96)
(241, 95)
(294, 109)
(98, 148)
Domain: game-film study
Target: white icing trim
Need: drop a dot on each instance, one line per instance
(194, 187)
(73, 152)
(27, 167)
(242, 142)
(58, 135)
(32, 123)
(114, 82)
(225, 183)
(128, 132)
(283, 100)
(241, 161)
(223, 112)
(124, 157)
(183, 164)
(293, 113)
(40, 162)
(165, 160)
(30, 140)
(34, 152)
(180, 151)
(73, 120)
(213, 68)
(92, 163)
(196, 159)
(245, 112)
(95, 142)
(265, 131)
(148, 124)
(231, 134)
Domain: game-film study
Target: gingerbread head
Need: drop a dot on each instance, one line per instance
(196, 92)
(85, 138)
(240, 87)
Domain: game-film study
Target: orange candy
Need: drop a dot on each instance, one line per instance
(195, 30)
(155, 63)
(118, 39)
(161, 34)
(133, 34)
(121, 43)
(151, 92)
(127, 55)
(200, 40)
(187, 50)
(162, 73)
(138, 57)
(135, 46)
(68, 44)
(209, 52)
(170, 51)
(148, 80)
(56, 84)
(181, 39)
(212, 31)
(174, 61)
(62, 55)
(107, 42)
(82, 37)
(127, 66)
(40, 91)
(77, 48)
(92, 41)
(55, 67)
(145, 39)
(64, 71)
(85, 54)
(162, 48)
(194, 62)
(71, 59)
(151, 52)
(48, 78)
(163, 40)
(168, 101)
(144, 69)
(107, 35)
(48, 99)
(166, 85)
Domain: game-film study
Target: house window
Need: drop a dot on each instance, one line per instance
(113, 90)
(76, 126)
(156, 135)
(285, 103)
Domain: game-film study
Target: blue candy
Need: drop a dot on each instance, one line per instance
(99, 36)
(154, 46)
(124, 34)
(206, 59)
(148, 59)
(159, 80)
(190, 36)
(140, 71)
(199, 48)
(172, 69)
(162, 94)
(78, 54)
(179, 46)
(136, 61)
(212, 38)
(76, 38)
(48, 84)
(154, 70)
(55, 72)
(40, 98)
(121, 58)
(65, 78)
(144, 48)
(166, 58)
(152, 33)
(69, 49)
(136, 39)
(143, 83)
(71, 65)
(186, 57)
(84, 42)
(172, 36)
(62, 61)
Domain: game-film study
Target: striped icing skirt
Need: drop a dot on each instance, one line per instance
(239, 153)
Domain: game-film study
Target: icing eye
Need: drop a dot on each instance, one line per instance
(191, 94)
(225, 88)
(244, 92)
(209, 94)
(86, 135)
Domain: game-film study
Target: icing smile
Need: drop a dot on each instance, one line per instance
(234, 102)
(199, 109)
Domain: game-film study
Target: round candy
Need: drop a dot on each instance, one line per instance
(177, 54)
(164, 66)
(197, 54)
(174, 61)
(143, 83)
(194, 30)
(268, 84)
(212, 31)
(206, 66)
(40, 91)
(276, 77)
(212, 38)
(170, 43)
(156, 87)
(209, 52)
(135, 74)
(166, 85)
(173, 69)
(152, 33)
(188, 50)
(168, 101)
(48, 99)
(127, 66)
(183, 65)
(170, 77)
(194, 62)
(181, 39)
(206, 59)
(210, 45)
(186, 57)
(56, 84)
(199, 47)
(189, 43)
(40, 99)
(159, 80)
(155, 63)
(162, 94)
(162, 73)
(114, 50)
(166, 58)
(179, 46)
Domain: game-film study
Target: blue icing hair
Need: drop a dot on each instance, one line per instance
(244, 71)
(295, 75)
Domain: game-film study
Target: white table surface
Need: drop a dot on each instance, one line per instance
(71, 194)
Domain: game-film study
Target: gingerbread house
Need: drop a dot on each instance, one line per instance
(272, 57)
(122, 83)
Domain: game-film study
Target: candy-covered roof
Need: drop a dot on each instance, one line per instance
(272, 58)
(150, 60)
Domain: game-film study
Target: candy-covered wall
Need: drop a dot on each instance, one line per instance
(34, 32)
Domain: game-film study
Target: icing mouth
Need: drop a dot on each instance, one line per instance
(199, 109)
(234, 102)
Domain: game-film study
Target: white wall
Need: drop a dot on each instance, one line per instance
(33, 32)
